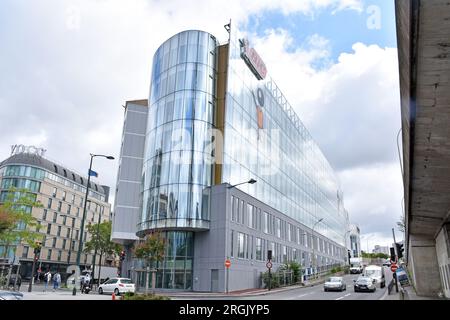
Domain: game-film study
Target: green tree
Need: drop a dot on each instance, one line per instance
(151, 250)
(101, 240)
(16, 222)
(295, 267)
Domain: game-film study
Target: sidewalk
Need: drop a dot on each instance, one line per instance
(407, 293)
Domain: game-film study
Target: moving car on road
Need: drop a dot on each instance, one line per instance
(335, 284)
(365, 284)
(117, 285)
(10, 295)
(376, 273)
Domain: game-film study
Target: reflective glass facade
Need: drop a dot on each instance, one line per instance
(292, 174)
(262, 139)
(181, 115)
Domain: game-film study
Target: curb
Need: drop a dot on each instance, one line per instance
(248, 294)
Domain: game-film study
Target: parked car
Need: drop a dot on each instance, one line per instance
(117, 285)
(365, 284)
(377, 273)
(11, 295)
(335, 284)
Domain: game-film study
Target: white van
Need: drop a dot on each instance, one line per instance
(376, 273)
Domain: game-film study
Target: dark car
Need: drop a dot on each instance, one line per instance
(11, 295)
(365, 284)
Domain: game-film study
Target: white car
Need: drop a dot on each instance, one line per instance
(117, 285)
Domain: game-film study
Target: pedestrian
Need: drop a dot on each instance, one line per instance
(47, 279)
(56, 280)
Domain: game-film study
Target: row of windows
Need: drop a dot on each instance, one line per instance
(39, 174)
(18, 183)
(254, 248)
(98, 209)
(252, 217)
(48, 255)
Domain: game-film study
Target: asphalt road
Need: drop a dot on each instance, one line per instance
(314, 293)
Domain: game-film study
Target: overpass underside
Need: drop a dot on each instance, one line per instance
(423, 37)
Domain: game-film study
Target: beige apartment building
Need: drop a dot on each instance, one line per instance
(61, 192)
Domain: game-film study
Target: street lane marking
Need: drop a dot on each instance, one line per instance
(343, 296)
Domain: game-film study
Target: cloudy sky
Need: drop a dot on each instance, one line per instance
(66, 68)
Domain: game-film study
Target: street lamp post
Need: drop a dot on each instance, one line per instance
(251, 181)
(313, 247)
(80, 246)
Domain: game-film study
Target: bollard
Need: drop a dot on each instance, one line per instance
(113, 296)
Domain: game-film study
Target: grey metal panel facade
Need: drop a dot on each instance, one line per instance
(214, 246)
(128, 189)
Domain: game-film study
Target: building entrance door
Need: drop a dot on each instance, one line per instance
(214, 280)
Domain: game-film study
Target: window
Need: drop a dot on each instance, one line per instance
(49, 204)
(266, 222)
(59, 255)
(250, 215)
(54, 242)
(68, 208)
(64, 195)
(259, 256)
(73, 199)
(78, 212)
(55, 216)
(54, 192)
(59, 231)
(73, 222)
(64, 220)
(68, 232)
(59, 205)
(77, 234)
(278, 227)
(241, 212)
(25, 252)
(240, 244)
(73, 245)
(49, 254)
(49, 228)
(232, 243)
(44, 215)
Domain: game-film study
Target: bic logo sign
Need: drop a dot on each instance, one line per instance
(253, 60)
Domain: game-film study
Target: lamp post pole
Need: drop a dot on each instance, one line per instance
(313, 247)
(80, 246)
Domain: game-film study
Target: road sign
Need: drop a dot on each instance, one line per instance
(227, 263)
(269, 265)
(402, 277)
(394, 267)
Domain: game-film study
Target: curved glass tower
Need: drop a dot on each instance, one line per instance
(176, 170)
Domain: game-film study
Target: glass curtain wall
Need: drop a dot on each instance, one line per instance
(181, 116)
(293, 176)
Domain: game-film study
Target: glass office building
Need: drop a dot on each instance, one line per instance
(216, 117)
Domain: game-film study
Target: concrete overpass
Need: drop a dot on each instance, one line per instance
(423, 38)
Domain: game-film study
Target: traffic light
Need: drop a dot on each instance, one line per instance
(269, 254)
(400, 250)
(122, 255)
(392, 250)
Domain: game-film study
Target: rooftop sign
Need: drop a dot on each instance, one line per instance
(20, 148)
(253, 60)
